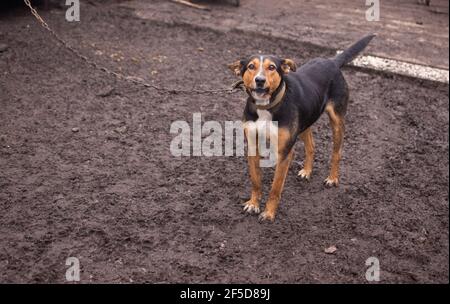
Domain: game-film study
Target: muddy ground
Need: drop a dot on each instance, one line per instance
(112, 195)
(407, 30)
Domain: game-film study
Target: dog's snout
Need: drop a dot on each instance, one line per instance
(260, 81)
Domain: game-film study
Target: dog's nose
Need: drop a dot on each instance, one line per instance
(260, 81)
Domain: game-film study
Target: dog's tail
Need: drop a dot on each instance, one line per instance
(350, 53)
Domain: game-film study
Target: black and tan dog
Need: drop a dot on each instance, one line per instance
(295, 99)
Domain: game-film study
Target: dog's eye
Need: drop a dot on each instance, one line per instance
(251, 66)
(272, 67)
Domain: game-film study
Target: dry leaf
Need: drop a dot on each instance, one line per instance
(330, 250)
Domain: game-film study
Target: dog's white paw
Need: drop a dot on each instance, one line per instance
(266, 216)
(304, 174)
(251, 207)
(331, 181)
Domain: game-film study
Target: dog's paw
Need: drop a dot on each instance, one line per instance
(251, 207)
(331, 181)
(304, 174)
(267, 216)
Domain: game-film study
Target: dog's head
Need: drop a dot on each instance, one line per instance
(262, 74)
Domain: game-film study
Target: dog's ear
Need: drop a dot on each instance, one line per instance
(288, 65)
(236, 67)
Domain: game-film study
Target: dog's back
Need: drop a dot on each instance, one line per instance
(320, 81)
(309, 89)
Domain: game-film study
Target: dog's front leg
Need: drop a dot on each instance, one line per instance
(285, 155)
(252, 206)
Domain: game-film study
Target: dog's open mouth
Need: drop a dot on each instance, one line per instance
(260, 91)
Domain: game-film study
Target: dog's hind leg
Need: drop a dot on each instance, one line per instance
(337, 126)
(308, 140)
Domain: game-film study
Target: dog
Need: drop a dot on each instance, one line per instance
(295, 99)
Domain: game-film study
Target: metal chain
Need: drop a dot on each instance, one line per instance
(133, 79)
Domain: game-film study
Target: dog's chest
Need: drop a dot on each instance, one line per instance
(264, 115)
(263, 124)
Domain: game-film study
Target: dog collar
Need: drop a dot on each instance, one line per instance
(277, 100)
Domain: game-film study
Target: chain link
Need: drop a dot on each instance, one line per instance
(132, 79)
